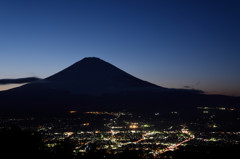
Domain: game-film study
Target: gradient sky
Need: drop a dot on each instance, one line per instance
(169, 43)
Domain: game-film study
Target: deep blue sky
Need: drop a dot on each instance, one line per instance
(193, 43)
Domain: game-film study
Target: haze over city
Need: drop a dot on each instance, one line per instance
(174, 44)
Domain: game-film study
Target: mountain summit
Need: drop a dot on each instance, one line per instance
(94, 76)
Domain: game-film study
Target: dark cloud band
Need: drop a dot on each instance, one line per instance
(18, 80)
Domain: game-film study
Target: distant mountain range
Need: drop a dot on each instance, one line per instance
(93, 84)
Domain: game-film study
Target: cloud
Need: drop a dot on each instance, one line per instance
(187, 87)
(18, 80)
(193, 86)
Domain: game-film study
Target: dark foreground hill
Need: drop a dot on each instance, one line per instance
(93, 84)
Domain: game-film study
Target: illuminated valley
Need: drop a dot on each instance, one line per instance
(154, 134)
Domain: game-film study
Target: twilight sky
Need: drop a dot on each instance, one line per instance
(175, 44)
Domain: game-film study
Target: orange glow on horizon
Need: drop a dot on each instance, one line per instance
(9, 86)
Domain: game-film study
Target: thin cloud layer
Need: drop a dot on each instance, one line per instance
(18, 80)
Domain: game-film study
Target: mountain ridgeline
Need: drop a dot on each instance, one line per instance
(94, 76)
(93, 84)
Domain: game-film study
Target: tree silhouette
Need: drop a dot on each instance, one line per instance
(16, 143)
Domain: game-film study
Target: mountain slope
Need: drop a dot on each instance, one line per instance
(95, 84)
(95, 76)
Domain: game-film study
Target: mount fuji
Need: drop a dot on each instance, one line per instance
(95, 84)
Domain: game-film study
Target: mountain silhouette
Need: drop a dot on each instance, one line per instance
(93, 84)
(95, 77)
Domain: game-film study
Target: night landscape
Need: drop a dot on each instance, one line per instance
(119, 79)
